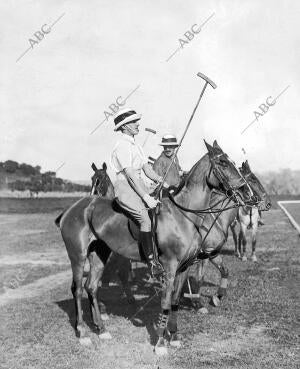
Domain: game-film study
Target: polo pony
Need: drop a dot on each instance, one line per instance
(214, 230)
(95, 228)
(248, 217)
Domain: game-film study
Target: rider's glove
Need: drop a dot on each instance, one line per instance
(150, 201)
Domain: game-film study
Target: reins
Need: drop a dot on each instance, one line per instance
(209, 210)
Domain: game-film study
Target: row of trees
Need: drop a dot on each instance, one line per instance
(21, 177)
(11, 166)
(283, 182)
(47, 182)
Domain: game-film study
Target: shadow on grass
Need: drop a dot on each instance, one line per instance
(143, 313)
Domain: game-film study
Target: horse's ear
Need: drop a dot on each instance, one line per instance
(210, 149)
(94, 167)
(104, 166)
(247, 166)
(216, 146)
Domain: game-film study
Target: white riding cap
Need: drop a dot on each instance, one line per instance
(124, 116)
(169, 140)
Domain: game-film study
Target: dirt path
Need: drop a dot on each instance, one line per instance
(36, 288)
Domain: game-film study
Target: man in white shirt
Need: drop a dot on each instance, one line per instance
(128, 160)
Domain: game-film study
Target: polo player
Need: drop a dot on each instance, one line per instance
(169, 144)
(128, 160)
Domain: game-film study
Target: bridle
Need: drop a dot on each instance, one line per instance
(232, 193)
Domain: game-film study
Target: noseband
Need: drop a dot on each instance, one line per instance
(227, 188)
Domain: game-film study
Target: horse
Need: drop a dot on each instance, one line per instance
(217, 237)
(95, 228)
(102, 186)
(248, 217)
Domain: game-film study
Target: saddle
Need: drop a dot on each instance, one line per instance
(133, 225)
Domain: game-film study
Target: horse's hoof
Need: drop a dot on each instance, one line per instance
(244, 258)
(105, 336)
(161, 350)
(175, 343)
(254, 258)
(80, 331)
(203, 310)
(85, 341)
(104, 316)
(215, 301)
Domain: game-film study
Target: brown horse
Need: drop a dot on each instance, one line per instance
(102, 186)
(248, 217)
(217, 237)
(94, 228)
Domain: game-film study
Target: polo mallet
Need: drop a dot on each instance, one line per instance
(191, 295)
(213, 85)
(149, 130)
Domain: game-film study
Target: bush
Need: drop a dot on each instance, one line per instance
(10, 166)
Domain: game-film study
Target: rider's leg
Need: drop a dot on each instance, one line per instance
(133, 204)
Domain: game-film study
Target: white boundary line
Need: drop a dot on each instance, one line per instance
(291, 219)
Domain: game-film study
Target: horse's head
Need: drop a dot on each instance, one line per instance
(100, 180)
(224, 175)
(262, 199)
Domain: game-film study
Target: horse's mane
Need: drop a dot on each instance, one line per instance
(187, 178)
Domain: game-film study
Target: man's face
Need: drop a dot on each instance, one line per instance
(169, 151)
(132, 128)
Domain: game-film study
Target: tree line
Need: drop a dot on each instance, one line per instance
(22, 177)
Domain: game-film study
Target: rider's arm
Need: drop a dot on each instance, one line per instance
(150, 173)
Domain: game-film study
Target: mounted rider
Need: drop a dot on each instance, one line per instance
(128, 160)
(161, 164)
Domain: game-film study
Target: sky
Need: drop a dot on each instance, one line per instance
(57, 93)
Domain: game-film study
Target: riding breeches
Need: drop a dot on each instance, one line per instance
(131, 202)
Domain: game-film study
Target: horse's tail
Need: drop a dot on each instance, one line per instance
(58, 219)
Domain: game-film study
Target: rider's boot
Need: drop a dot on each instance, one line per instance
(155, 266)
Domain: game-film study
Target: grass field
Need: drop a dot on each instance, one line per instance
(256, 326)
(294, 210)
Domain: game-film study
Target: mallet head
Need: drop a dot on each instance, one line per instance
(206, 79)
(150, 130)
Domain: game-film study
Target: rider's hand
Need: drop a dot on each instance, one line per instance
(166, 185)
(150, 201)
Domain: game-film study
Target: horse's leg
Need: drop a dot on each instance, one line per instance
(235, 240)
(172, 323)
(91, 287)
(77, 264)
(124, 270)
(197, 272)
(242, 241)
(222, 290)
(202, 266)
(253, 240)
(170, 268)
(243, 233)
(98, 255)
